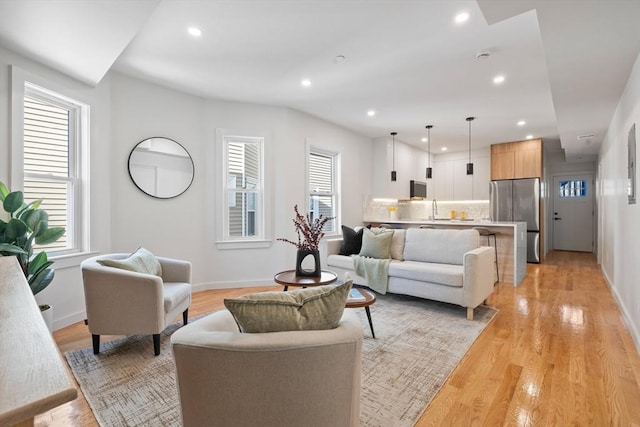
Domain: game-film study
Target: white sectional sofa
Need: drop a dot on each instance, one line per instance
(438, 264)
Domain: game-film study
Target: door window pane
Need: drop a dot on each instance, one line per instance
(573, 188)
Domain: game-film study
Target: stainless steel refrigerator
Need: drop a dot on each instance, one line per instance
(519, 200)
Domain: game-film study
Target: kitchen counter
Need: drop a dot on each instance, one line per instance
(511, 239)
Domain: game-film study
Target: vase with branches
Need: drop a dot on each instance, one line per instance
(310, 234)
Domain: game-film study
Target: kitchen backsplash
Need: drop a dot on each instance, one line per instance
(379, 209)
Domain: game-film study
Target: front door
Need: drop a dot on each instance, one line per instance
(573, 212)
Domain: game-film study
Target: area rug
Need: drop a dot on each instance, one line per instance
(418, 344)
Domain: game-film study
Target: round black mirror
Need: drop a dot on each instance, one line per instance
(161, 167)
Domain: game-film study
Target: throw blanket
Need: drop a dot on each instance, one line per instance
(376, 271)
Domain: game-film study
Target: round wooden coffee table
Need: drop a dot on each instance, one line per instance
(289, 278)
(369, 298)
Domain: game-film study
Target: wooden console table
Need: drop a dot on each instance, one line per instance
(33, 376)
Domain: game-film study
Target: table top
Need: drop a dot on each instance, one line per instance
(289, 278)
(35, 378)
(369, 298)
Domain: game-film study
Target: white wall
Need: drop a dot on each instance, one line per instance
(410, 164)
(65, 293)
(450, 180)
(619, 222)
(126, 110)
(184, 227)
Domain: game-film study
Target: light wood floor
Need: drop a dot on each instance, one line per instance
(557, 354)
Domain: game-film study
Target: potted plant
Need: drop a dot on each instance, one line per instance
(27, 225)
(309, 235)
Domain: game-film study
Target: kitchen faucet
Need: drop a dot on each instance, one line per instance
(434, 209)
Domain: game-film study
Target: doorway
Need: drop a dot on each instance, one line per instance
(573, 212)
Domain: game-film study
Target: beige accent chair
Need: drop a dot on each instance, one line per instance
(294, 378)
(122, 302)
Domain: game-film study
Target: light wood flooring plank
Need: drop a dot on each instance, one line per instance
(558, 353)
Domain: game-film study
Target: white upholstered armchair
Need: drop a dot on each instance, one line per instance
(272, 379)
(122, 302)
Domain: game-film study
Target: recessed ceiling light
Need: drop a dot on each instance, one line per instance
(462, 17)
(340, 58)
(444, 149)
(194, 31)
(529, 136)
(306, 82)
(498, 79)
(522, 123)
(424, 139)
(371, 113)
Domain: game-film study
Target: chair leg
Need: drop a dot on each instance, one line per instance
(156, 344)
(185, 317)
(469, 313)
(96, 343)
(86, 321)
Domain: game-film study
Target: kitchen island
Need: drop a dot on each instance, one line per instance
(511, 239)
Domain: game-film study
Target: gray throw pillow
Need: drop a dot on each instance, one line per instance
(313, 308)
(376, 245)
(141, 261)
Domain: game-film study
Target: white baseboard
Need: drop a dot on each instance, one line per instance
(633, 329)
(227, 285)
(65, 321)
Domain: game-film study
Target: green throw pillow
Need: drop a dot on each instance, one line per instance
(141, 261)
(314, 308)
(376, 245)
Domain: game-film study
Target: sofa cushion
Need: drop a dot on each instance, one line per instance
(441, 274)
(175, 293)
(340, 261)
(141, 261)
(439, 246)
(351, 241)
(376, 245)
(396, 249)
(318, 307)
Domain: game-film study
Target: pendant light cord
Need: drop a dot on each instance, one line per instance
(470, 140)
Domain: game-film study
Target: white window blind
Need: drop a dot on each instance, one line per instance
(322, 187)
(49, 173)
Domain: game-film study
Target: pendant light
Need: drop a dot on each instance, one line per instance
(470, 165)
(429, 170)
(393, 172)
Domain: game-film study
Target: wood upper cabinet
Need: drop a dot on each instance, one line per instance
(513, 160)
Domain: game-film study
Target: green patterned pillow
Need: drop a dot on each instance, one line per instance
(141, 261)
(376, 244)
(314, 308)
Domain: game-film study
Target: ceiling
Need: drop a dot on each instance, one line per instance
(565, 63)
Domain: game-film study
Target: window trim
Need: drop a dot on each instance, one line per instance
(221, 235)
(315, 149)
(26, 84)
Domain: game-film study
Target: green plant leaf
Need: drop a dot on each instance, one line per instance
(27, 208)
(14, 229)
(3, 191)
(39, 262)
(13, 201)
(37, 216)
(11, 249)
(50, 235)
(41, 280)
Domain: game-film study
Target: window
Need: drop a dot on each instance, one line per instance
(573, 188)
(53, 131)
(243, 207)
(322, 187)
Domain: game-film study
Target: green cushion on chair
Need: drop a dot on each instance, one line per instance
(319, 307)
(141, 261)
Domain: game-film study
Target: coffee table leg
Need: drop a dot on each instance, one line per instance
(286, 288)
(370, 322)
